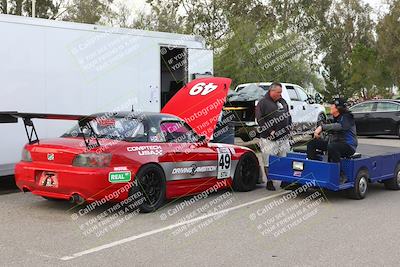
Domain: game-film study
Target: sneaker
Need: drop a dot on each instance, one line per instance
(270, 186)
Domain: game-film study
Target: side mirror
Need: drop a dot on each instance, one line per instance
(318, 98)
(310, 99)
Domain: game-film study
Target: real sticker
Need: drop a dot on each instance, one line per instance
(119, 177)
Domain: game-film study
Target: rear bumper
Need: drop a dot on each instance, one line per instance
(320, 174)
(90, 184)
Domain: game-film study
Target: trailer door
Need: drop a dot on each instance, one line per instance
(200, 63)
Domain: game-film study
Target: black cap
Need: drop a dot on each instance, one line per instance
(339, 102)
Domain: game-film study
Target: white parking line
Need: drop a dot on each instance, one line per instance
(169, 227)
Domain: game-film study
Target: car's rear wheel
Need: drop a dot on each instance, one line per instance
(360, 189)
(246, 173)
(150, 182)
(394, 183)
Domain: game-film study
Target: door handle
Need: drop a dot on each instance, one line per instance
(304, 107)
(291, 107)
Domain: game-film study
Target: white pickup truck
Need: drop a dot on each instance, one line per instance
(305, 112)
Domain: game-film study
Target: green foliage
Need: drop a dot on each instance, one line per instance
(388, 31)
(89, 11)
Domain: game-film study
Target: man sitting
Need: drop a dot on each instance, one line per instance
(343, 136)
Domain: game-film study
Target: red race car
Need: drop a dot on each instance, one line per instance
(112, 156)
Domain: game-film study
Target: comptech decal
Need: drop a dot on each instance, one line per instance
(146, 150)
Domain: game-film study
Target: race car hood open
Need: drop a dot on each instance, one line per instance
(199, 103)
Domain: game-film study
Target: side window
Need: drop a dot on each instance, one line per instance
(387, 106)
(292, 93)
(302, 95)
(177, 132)
(364, 107)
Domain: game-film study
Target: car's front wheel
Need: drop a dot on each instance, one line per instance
(149, 188)
(246, 173)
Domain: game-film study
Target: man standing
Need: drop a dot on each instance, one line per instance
(275, 122)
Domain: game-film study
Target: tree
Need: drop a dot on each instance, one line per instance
(47, 9)
(388, 31)
(88, 11)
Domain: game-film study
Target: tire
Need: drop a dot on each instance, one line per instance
(246, 173)
(360, 189)
(394, 183)
(150, 182)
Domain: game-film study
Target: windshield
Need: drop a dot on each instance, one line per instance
(124, 129)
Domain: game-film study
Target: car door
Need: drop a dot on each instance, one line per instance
(362, 116)
(385, 117)
(308, 111)
(190, 165)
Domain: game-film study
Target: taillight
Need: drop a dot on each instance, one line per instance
(92, 160)
(26, 155)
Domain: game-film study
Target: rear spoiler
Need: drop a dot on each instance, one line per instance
(91, 141)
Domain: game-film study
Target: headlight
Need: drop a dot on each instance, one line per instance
(298, 165)
(92, 160)
(26, 155)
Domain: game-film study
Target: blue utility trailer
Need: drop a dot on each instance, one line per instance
(371, 164)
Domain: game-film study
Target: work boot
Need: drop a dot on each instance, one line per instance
(270, 186)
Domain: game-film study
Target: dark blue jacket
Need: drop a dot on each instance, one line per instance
(343, 130)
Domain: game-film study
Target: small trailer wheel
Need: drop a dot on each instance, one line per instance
(394, 183)
(360, 189)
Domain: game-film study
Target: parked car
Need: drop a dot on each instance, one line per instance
(377, 117)
(242, 102)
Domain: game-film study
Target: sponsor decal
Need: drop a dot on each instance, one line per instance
(119, 177)
(193, 169)
(146, 150)
(120, 168)
(297, 173)
(50, 156)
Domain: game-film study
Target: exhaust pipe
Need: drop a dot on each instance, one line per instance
(76, 198)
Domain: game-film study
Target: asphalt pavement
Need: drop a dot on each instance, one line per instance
(258, 228)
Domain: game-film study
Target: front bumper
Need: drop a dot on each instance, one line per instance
(91, 184)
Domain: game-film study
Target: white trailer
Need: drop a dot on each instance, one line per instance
(70, 68)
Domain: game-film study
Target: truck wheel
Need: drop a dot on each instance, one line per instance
(360, 189)
(394, 183)
(246, 173)
(149, 187)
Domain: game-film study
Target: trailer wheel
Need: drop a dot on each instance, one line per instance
(246, 173)
(150, 186)
(360, 189)
(394, 183)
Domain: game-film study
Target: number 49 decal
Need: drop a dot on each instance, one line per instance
(203, 89)
(224, 163)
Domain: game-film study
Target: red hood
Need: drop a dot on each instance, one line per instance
(200, 103)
